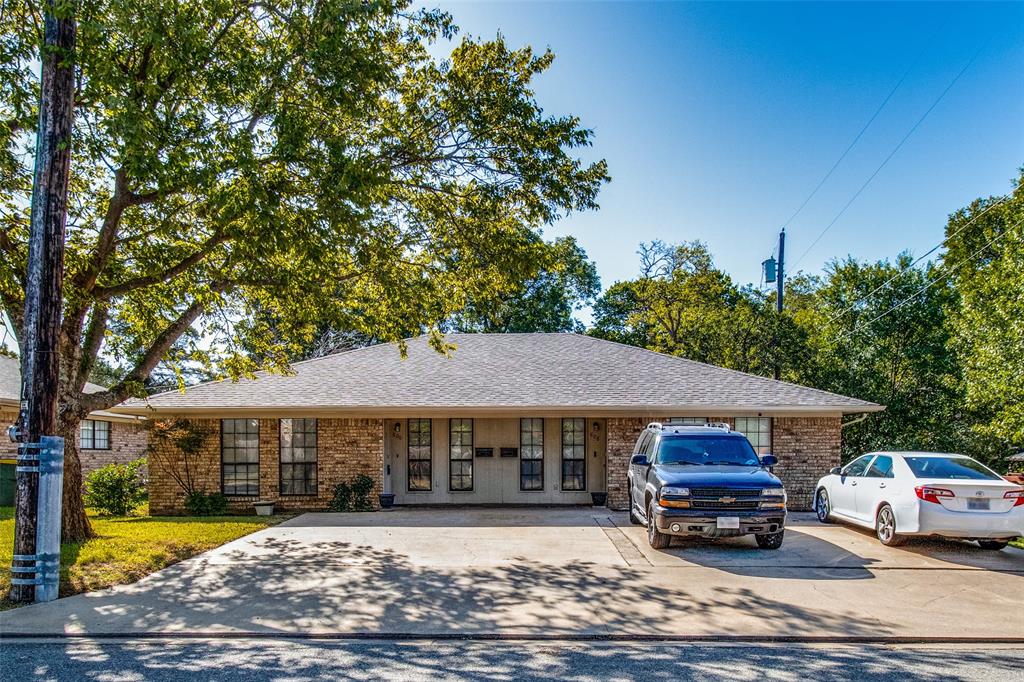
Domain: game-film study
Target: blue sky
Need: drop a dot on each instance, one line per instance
(719, 119)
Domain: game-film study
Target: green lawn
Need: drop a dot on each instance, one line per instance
(127, 548)
(1019, 542)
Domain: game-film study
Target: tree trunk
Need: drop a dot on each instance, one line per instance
(75, 525)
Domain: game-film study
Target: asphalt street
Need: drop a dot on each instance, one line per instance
(228, 660)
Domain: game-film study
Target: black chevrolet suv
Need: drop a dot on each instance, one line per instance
(705, 481)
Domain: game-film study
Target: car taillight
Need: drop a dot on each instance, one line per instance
(930, 494)
(1018, 495)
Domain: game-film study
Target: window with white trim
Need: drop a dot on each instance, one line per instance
(758, 431)
(420, 471)
(574, 453)
(460, 455)
(531, 454)
(688, 421)
(94, 434)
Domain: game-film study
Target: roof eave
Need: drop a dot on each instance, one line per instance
(577, 410)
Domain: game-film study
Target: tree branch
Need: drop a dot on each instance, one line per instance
(154, 354)
(181, 266)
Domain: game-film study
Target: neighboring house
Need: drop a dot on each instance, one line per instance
(104, 437)
(506, 419)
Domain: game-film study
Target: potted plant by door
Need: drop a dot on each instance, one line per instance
(264, 508)
(599, 498)
(386, 500)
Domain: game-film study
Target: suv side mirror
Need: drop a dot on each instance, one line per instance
(835, 471)
(639, 460)
(769, 460)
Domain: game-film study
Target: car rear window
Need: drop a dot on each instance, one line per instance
(950, 467)
(710, 450)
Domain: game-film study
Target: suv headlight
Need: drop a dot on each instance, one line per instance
(773, 492)
(667, 497)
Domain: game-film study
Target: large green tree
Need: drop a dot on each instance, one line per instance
(306, 158)
(879, 331)
(566, 280)
(682, 304)
(985, 262)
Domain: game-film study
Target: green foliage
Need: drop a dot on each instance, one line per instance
(202, 503)
(341, 500)
(246, 175)
(682, 305)
(986, 259)
(352, 497)
(865, 344)
(941, 367)
(116, 489)
(566, 281)
(361, 487)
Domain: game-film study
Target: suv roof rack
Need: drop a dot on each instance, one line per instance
(719, 425)
(655, 425)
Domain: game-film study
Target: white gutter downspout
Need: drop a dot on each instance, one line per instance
(854, 421)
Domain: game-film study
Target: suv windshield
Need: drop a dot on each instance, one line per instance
(701, 449)
(950, 467)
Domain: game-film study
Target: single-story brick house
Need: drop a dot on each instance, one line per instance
(104, 438)
(505, 419)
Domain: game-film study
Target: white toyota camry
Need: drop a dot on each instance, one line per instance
(900, 494)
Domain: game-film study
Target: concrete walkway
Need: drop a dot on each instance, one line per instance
(552, 572)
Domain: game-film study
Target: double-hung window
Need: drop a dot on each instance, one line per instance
(240, 456)
(460, 455)
(758, 431)
(420, 472)
(574, 453)
(531, 454)
(94, 434)
(298, 456)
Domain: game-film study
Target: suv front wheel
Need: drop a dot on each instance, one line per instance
(657, 539)
(770, 540)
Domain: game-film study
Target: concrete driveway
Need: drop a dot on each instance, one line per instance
(552, 572)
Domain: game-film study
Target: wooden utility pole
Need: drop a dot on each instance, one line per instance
(40, 360)
(780, 290)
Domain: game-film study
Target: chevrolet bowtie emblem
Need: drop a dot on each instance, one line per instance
(726, 500)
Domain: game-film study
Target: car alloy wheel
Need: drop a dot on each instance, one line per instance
(821, 506)
(885, 528)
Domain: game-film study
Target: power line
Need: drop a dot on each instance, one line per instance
(935, 248)
(928, 286)
(888, 158)
(853, 143)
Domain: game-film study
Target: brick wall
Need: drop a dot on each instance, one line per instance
(128, 442)
(807, 447)
(345, 448)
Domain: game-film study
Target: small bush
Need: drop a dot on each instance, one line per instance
(200, 503)
(116, 489)
(354, 496)
(342, 499)
(361, 487)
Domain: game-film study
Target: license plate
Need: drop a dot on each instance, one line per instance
(729, 522)
(977, 504)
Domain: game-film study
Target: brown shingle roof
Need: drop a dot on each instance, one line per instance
(505, 372)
